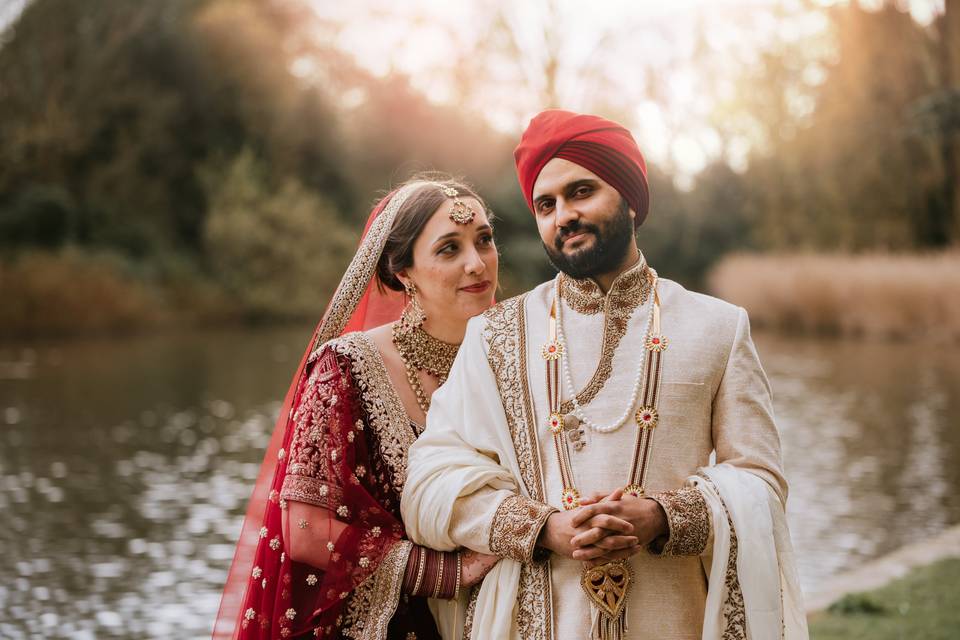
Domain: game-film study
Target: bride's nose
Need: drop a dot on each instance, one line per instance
(474, 264)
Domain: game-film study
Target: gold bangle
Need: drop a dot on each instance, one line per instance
(456, 587)
(420, 567)
(436, 589)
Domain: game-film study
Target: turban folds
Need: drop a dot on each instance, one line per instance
(601, 146)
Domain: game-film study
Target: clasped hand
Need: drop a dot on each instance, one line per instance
(605, 528)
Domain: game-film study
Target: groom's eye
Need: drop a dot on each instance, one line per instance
(544, 206)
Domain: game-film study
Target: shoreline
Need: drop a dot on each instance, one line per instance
(880, 572)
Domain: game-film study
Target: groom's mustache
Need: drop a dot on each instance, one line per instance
(574, 227)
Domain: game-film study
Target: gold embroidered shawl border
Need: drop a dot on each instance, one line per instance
(380, 402)
(505, 336)
(734, 610)
(630, 290)
(374, 601)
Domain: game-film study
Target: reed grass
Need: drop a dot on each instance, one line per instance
(872, 295)
(77, 292)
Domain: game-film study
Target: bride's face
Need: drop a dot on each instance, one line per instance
(455, 265)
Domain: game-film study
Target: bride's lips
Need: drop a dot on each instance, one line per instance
(480, 287)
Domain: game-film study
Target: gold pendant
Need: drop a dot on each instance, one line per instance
(607, 586)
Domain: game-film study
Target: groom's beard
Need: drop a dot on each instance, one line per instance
(611, 241)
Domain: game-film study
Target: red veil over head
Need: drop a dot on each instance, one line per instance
(358, 304)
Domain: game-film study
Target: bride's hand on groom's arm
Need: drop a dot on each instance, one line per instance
(474, 566)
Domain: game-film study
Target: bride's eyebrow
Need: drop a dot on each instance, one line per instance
(455, 234)
(447, 236)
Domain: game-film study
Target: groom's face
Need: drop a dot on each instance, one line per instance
(586, 226)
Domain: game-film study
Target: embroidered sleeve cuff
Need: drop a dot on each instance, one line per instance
(312, 491)
(516, 526)
(689, 523)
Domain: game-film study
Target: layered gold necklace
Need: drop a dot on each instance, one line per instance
(420, 351)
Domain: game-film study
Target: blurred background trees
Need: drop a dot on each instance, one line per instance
(228, 151)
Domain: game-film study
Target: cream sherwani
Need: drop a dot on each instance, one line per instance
(485, 474)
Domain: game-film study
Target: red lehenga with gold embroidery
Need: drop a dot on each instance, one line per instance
(340, 444)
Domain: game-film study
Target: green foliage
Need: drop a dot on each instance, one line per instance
(179, 136)
(924, 604)
(852, 175)
(281, 251)
(38, 216)
(856, 604)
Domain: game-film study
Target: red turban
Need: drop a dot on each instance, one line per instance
(599, 145)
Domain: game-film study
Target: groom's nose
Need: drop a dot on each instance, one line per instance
(566, 214)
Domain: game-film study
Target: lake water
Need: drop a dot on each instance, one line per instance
(125, 466)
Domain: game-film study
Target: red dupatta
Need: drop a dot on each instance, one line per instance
(253, 602)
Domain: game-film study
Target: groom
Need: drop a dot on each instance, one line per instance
(613, 383)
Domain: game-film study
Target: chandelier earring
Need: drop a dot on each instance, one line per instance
(413, 315)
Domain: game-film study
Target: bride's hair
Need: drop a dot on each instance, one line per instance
(411, 218)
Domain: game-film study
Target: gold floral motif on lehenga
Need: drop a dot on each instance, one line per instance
(688, 521)
(381, 404)
(309, 473)
(374, 601)
(505, 337)
(630, 290)
(516, 526)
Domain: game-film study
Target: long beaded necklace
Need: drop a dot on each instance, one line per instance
(420, 351)
(607, 585)
(568, 380)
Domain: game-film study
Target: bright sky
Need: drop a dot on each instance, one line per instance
(668, 112)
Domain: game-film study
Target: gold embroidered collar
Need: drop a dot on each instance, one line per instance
(629, 290)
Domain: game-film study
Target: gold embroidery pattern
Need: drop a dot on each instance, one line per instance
(516, 526)
(374, 601)
(585, 296)
(734, 611)
(311, 491)
(688, 520)
(630, 290)
(383, 407)
(505, 336)
(471, 611)
(309, 473)
(360, 272)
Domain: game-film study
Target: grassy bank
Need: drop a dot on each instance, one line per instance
(924, 605)
(873, 295)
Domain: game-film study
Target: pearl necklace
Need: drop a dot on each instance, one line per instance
(568, 380)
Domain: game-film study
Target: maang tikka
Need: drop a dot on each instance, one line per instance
(460, 213)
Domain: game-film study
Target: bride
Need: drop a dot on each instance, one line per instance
(323, 552)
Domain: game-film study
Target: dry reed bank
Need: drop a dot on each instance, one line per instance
(871, 295)
(78, 293)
